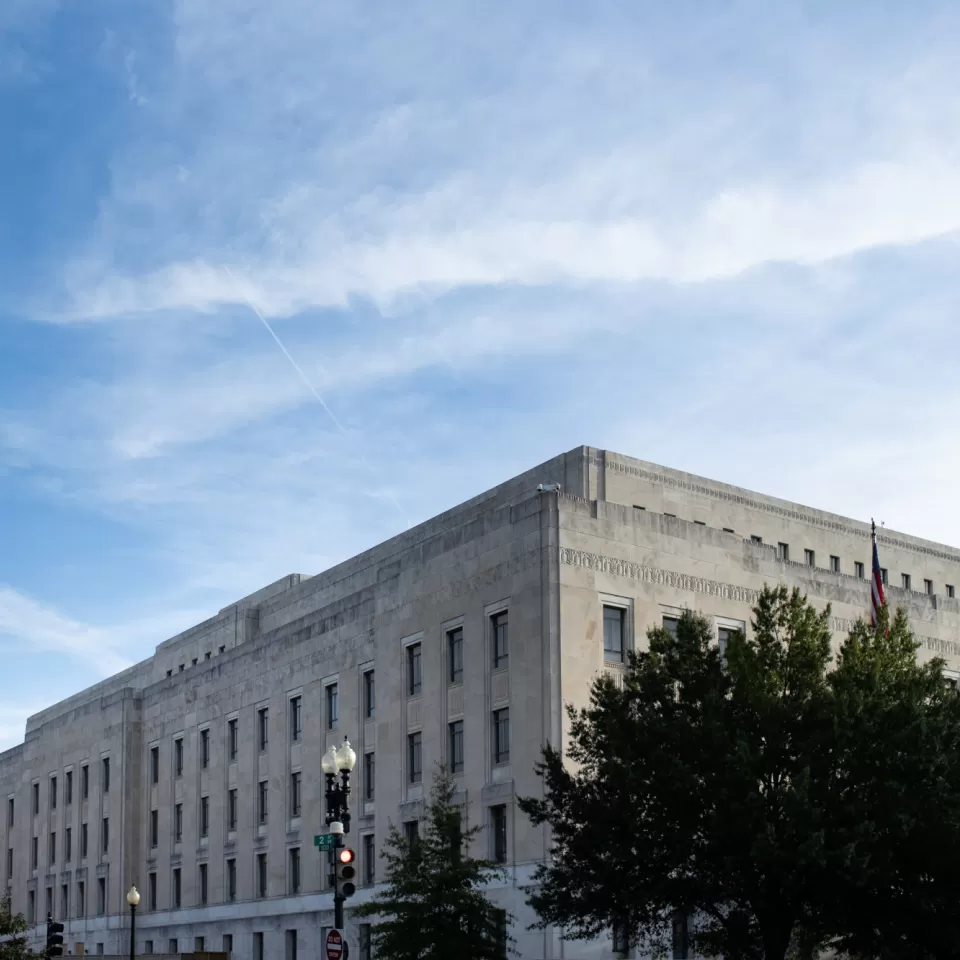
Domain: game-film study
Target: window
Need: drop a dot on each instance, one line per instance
(858, 569)
(294, 869)
(53, 793)
(9, 863)
(52, 848)
(296, 718)
(232, 740)
(203, 884)
(950, 590)
(178, 757)
(723, 638)
(152, 891)
(193, 662)
(105, 834)
(231, 880)
(613, 622)
(99, 949)
(106, 774)
(809, 558)
(834, 564)
(172, 945)
(35, 853)
(148, 947)
(81, 900)
(905, 580)
(262, 727)
(258, 946)
(364, 942)
(414, 670)
(228, 943)
(498, 833)
(36, 799)
(31, 906)
(84, 782)
(178, 823)
(411, 831)
(83, 840)
(333, 705)
(501, 736)
(681, 936)
(783, 552)
(206, 656)
(756, 539)
(670, 624)
(204, 816)
(154, 828)
(154, 764)
(415, 757)
(262, 801)
(295, 794)
(456, 746)
(65, 900)
(501, 641)
(369, 695)
(883, 575)
(455, 655)
(10, 812)
(232, 809)
(369, 776)
(621, 938)
(369, 859)
(101, 896)
(177, 888)
(204, 749)
(261, 875)
(68, 845)
(928, 587)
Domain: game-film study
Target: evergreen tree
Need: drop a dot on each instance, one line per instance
(13, 934)
(434, 907)
(783, 804)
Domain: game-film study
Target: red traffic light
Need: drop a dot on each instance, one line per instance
(347, 856)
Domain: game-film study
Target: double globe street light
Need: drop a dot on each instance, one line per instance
(340, 760)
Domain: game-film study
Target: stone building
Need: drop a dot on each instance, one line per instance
(196, 774)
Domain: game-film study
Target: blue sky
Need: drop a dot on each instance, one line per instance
(720, 236)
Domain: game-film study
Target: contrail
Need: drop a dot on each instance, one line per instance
(309, 385)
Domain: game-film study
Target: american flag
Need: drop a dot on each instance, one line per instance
(877, 597)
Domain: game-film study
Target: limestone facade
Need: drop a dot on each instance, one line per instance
(196, 774)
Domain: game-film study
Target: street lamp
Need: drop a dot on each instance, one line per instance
(133, 898)
(340, 760)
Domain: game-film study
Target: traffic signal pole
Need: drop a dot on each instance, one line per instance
(338, 897)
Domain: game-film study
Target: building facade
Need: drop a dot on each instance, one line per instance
(196, 774)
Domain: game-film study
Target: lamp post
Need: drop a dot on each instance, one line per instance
(133, 898)
(340, 760)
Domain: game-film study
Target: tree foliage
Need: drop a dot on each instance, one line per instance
(13, 934)
(784, 800)
(434, 907)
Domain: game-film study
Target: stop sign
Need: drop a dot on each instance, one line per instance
(334, 945)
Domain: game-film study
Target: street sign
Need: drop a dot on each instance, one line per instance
(335, 945)
(324, 841)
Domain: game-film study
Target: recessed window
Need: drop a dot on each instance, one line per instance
(231, 880)
(294, 869)
(834, 564)
(883, 575)
(36, 799)
(501, 640)
(102, 898)
(951, 592)
(151, 891)
(105, 834)
(670, 624)
(755, 539)
(178, 757)
(905, 581)
(295, 794)
(858, 569)
(154, 828)
(455, 746)
(620, 935)
(369, 859)
(68, 844)
(411, 831)
(221, 649)
(178, 823)
(203, 885)
(261, 875)
(204, 816)
(783, 552)
(81, 899)
(614, 621)
(333, 705)
(263, 728)
(296, 718)
(414, 670)
(498, 831)
(681, 935)
(928, 587)
(233, 740)
(35, 854)
(369, 776)
(263, 800)
(68, 788)
(194, 662)
(53, 793)
(501, 736)
(154, 764)
(52, 848)
(84, 782)
(204, 749)
(232, 809)
(177, 889)
(809, 558)
(369, 694)
(455, 654)
(84, 840)
(415, 757)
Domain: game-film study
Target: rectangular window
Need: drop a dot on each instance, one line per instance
(68, 844)
(723, 638)
(233, 742)
(81, 899)
(177, 889)
(498, 831)
(455, 654)
(65, 900)
(411, 831)
(203, 884)
(414, 670)
(31, 907)
(369, 859)
(950, 590)
(681, 935)
(148, 947)
(258, 946)
(101, 896)
(154, 764)
(231, 880)
(333, 705)
(883, 576)
(10, 812)
(809, 558)
(294, 870)
(36, 799)
(199, 944)
(52, 847)
(291, 946)
(84, 836)
(928, 587)
(613, 623)
(105, 834)
(369, 694)
(35, 854)
(84, 782)
(228, 943)
(834, 564)
(53, 793)
(204, 816)
(262, 801)
(263, 728)
(152, 891)
(858, 569)
(295, 794)
(154, 828)
(905, 580)
(501, 640)
(670, 624)
(415, 757)
(106, 774)
(456, 746)
(756, 539)
(261, 875)
(178, 823)
(369, 776)
(364, 941)
(783, 552)
(178, 757)
(232, 809)
(204, 749)
(172, 944)
(501, 736)
(9, 863)
(621, 938)
(296, 718)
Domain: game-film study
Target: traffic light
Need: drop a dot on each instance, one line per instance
(346, 871)
(54, 938)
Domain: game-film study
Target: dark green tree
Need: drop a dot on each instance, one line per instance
(13, 934)
(741, 790)
(434, 907)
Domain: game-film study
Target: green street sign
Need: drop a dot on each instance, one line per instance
(324, 841)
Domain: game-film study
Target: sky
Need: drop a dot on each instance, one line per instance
(278, 280)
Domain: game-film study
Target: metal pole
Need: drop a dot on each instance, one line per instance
(133, 930)
(337, 899)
